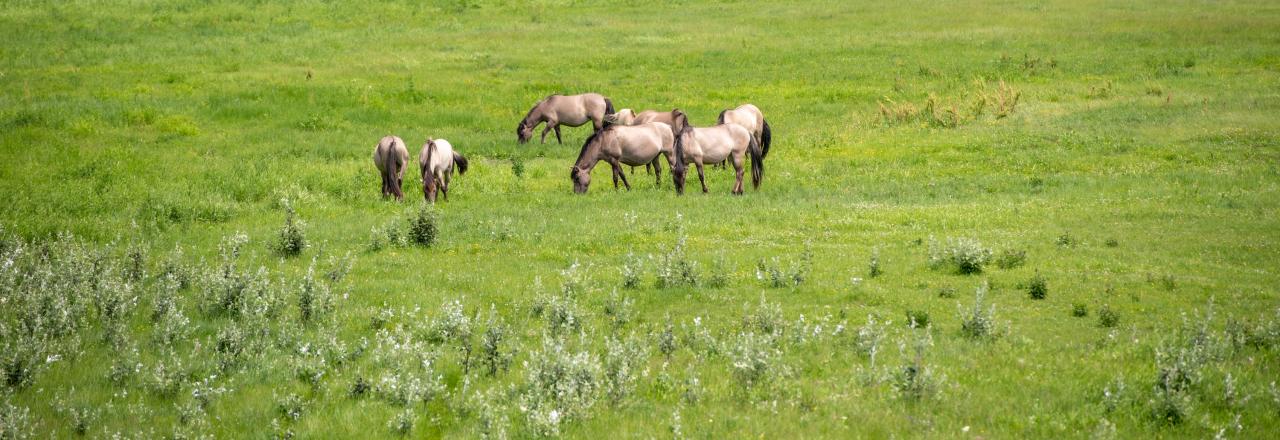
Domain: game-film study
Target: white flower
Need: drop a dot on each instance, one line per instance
(965, 428)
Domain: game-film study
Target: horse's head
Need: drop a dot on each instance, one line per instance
(524, 132)
(581, 179)
(625, 116)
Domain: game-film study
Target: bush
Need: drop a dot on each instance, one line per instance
(291, 241)
(917, 380)
(1079, 310)
(979, 323)
(422, 227)
(1107, 318)
(1037, 288)
(917, 319)
(1011, 258)
(964, 255)
(772, 273)
(675, 268)
(632, 271)
(873, 267)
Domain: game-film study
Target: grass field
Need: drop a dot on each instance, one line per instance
(1120, 160)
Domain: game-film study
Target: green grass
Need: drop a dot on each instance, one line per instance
(1145, 133)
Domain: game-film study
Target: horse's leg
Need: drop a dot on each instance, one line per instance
(545, 129)
(657, 171)
(448, 177)
(701, 177)
(617, 168)
(737, 168)
(558, 135)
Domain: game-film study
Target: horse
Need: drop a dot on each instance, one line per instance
(630, 145)
(628, 116)
(390, 156)
(718, 143)
(436, 163)
(557, 110)
(750, 118)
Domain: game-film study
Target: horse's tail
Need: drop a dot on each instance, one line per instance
(389, 170)
(757, 162)
(461, 162)
(720, 119)
(766, 135)
(608, 111)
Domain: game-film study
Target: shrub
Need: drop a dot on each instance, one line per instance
(873, 267)
(402, 422)
(1107, 318)
(455, 327)
(917, 379)
(978, 322)
(964, 255)
(667, 338)
(1037, 288)
(1066, 240)
(772, 273)
(619, 309)
(946, 292)
(622, 360)
(719, 274)
(675, 268)
(869, 338)
(632, 271)
(917, 319)
(1079, 310)
(290, 241)
(493, 355)
(315, 299)
(422, 226)
(754, 358)
(517, 166)
(1011, 258)
(560, 385)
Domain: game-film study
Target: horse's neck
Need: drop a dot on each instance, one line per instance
(539, 112)
(591, 156)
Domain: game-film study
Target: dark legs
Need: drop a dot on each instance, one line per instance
(557, 128)
(701, 177)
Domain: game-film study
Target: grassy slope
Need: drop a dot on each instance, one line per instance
(192, 121)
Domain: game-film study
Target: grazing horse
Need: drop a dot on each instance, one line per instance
(390, 156)
(628, 116)
(715, 144)
(557, 110)
(436, 162)
(750, 118)
(630, 145)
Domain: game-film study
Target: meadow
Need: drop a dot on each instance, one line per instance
(978, 219)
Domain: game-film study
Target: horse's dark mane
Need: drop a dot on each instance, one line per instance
(720, 119)
(587, 144)
(535, 107)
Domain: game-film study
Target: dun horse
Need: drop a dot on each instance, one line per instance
(715, 144)
(629, 145)
(436, 162)
(390, 156)
(557, 110)
(628, 116)
(750, 118)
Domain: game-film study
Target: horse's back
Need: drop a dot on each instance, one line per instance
(746, 115)
(441, 159)
(387, 146)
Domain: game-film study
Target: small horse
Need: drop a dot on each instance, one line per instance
(750, 118)
(557, 110)
(390, 156)
(715, 144)
(630, 145)
(436, 162)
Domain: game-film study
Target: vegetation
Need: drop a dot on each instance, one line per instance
(1125, 152)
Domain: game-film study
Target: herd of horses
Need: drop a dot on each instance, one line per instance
(622, 137)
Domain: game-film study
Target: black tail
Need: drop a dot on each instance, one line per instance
(720, 119)
(461, 162)
(608, 111)
(765, 136)
(757, 163)
(390, 171)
